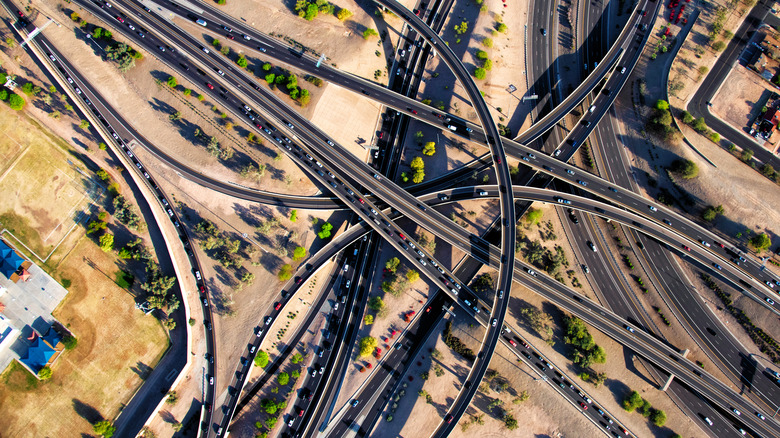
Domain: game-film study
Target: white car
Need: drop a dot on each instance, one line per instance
(652, 208)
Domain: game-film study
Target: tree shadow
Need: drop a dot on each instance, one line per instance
(86, 411)
(142, 370)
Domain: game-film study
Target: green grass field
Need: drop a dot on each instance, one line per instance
(44, 193)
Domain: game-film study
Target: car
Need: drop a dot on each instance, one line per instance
(592, 246)
(252, 349)
(268, 320)
(355, 403)
(583, 406)
(298, 280)
(227, 28)
(131, 26)
(498, 160)
(570, 172)
(207, 324)
(494, 322)
(197, 275)
(211, 87)
(736, 412)
(162, 49)
(483, 193)
(120, 19)
(703, 242)
(220, 72)
(313, 373)
(512, 343)
(307, 394)
(544, 32)
(205, 301)
(582, 183)
(628, 327)
(501, 294)
(585, 268)
(247, 37)
(448, 418)
(531, 156)
(707, 419)
(769, 283)
(377, 177)
(760, 415)
(211, 379)
(531, 272)
(652, 208)
(586, 123)
(720, 244)
(277, 306)
(667, 222)
(687, 248)
(258, 331)
(321, 369)
(290, 422)
(770, 301)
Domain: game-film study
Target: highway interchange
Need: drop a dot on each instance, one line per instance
(653, 220)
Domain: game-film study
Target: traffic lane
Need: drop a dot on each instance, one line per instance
(95, 103)
(403, 351)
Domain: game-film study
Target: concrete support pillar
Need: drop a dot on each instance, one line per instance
(671, 376)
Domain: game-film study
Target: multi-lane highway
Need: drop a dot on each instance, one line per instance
(313, 147)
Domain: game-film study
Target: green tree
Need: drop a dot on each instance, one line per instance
(104, 428)
(241, 61)
(533, 216)
(325, 230)
(429, 148)
(368, 320)
(686, 168)
(44, 373)
(343, 14)
(392, 264)
(172, 82)
(760, 242)
(412, 275)
(261, 360)
(461, 28)
(658, 417)
(510, 422)
(487, 42)
(768, 170)
(480, 73)
(369, 33)
(187, 92)
(296, 358)
(488, 65)
(699, 125)
(711, 212)
(662, 105)
(376, 304)
(107, 242)
(176, 116)
(632, 401)
(294, 216)
(367, 346)
(482, 55)
(16, 102)
(718, 46)
(299, 253)
(687, 118)
(269, 406)
(285, 272)
(501, 27)
(283, 379)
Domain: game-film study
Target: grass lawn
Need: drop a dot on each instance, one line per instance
(43, 191)
(117, 347)
(124, 279)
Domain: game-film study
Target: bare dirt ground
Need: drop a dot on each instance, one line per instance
(696, 51)
(342, 43)
(147, 105)
(737, 100)
(348, 118)
(279, 334)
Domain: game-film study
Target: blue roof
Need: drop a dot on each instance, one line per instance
(52, 337)
(37, 355)
(9, 260)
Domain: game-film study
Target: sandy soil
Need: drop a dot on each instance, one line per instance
(349, 118)
(506, 54)
(342, 43)
(737, 101)
(244, 423)
(147, 106)
(685, 68)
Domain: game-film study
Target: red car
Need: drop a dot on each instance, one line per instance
(498, 160)
(583, 406)
(231, 37)
(298, 280)
(687, 248)
(719, 244)
(211, 87)
(300, 412)
(278, 306)
(401, 236)
(428, 309)
(448, 419)
(361, 200)
(414, 111)
(121, 20)
(202, 289)
(512, 343)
